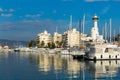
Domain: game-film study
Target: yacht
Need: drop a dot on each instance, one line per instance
(105, 51)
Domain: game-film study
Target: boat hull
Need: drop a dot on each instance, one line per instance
(104, 56)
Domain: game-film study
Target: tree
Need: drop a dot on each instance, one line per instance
(53, 45)
(49, 45)
(32, 43)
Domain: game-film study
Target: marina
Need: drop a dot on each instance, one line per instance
(59, 40)
(82, 47)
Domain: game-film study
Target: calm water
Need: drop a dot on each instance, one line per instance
(34, 66)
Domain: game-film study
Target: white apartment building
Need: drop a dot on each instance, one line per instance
(71, 38)
(45, 36)
(57, 38)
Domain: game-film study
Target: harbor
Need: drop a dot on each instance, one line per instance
(93, 47)
(59, 40)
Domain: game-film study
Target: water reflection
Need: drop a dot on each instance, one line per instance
(60, 67)
(44, 62)
(60, 64)
(103, 69)
(74, 69)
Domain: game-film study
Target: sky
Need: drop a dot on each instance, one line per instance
(24, 19)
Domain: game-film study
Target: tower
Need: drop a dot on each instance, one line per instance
(95, 19)
(94, 30)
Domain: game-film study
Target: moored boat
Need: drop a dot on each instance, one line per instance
(103, 51)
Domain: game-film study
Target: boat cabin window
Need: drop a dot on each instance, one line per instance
(101, 56)
(116, 56)
(109, 56)
(109, 50)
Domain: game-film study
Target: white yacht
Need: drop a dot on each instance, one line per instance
(105, 51)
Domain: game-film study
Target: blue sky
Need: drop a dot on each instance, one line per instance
(24, 19)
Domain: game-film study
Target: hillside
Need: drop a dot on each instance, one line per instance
(12, 43)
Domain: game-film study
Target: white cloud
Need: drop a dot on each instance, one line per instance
(1, 10)
(33, 16)
(6, 10)
(6, 15)
(95, 0)
(11, 10)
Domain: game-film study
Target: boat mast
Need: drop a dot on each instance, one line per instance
(105, 31)
(70, 28)
(80, 30)
(114, 35)
(83, 44)
(83, 27)
(110, 29)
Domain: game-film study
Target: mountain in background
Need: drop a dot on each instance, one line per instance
(12, 43)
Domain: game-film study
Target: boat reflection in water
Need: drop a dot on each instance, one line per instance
(65, 67)
(44, 66)
(103, 69)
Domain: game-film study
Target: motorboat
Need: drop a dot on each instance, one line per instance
(105, 51)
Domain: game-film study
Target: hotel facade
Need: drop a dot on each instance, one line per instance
(44, 38)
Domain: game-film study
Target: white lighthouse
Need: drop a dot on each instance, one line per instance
(94, 30)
